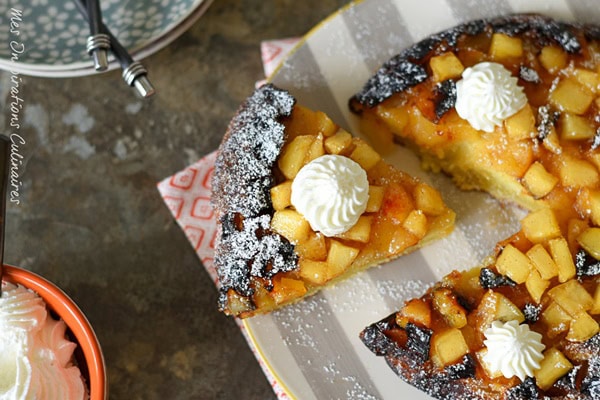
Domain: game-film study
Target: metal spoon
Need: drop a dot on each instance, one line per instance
(4, 172)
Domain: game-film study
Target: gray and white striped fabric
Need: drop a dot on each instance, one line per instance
(312, 348)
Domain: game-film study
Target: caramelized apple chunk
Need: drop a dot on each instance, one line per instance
(291, 225)
(556, 319)
(416, 223)
(313, 271)
(559, 249)
(339, 143)
(542, 261)
(553, 58)
(448, 346)
(428, 200)
(514, 264)
(293, 155)
(538, 181)
(446, 66)
(590, 241)
(415, 311)
(572, 97)
(536, 285)
(521, 125)
(540, 226)
(504, 47)
(339, 258)
(287, 289)
(364, 154)
(446, 303)
(375, 198)
(553, 366)
(582, 328)
(281, 195)
(361, 231)
(572, 297)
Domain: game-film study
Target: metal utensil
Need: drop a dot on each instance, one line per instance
(98, 43)
(134, 73)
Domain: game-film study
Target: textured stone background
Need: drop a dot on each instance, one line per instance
(91, 219)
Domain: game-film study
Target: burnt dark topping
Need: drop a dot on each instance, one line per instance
(546, 119)
(596, 140)
(417, 342)
(385, 338)
(488, 279)
(586, 265)
(464, 369)
(590, 385)
(545, 29)
(529, 74)
(376, 340)
(526, 390)
(569, 382)
(408, 68)
(247, 249)
(445, 97)
(532, 312)
(242, 175)
(395, 76)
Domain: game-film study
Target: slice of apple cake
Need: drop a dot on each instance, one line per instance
(524, 325)
(302, 203)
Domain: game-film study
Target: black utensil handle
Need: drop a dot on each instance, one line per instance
(94, 16)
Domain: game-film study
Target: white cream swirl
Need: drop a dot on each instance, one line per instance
(513, 349)
(35, 356)
(331, 192)
(488, 94)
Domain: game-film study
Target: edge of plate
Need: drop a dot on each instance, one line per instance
(310, 33)
(81, 68)
(266, 364)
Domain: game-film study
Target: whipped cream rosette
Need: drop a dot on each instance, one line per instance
(35, 355)
(488, 94)
(331, 192)
(513, 349)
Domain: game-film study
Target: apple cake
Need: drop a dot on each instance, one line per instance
(511, 106)
(300, 203)
(524, 325)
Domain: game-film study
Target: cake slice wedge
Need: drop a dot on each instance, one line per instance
(524, 325)
(301, 203)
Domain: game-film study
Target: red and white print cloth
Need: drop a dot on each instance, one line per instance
(187, 195)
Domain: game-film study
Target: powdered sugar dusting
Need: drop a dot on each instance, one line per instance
(406, 290)
(246, 247)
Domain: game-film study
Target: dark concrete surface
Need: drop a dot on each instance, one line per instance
(92, 221)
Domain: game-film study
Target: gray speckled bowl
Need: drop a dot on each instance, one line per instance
(47, 37)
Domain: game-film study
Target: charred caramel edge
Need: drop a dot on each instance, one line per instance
(408, 68)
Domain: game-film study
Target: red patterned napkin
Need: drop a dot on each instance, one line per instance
(187, 194)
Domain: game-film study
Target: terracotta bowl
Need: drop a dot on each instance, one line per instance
(88, 353)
